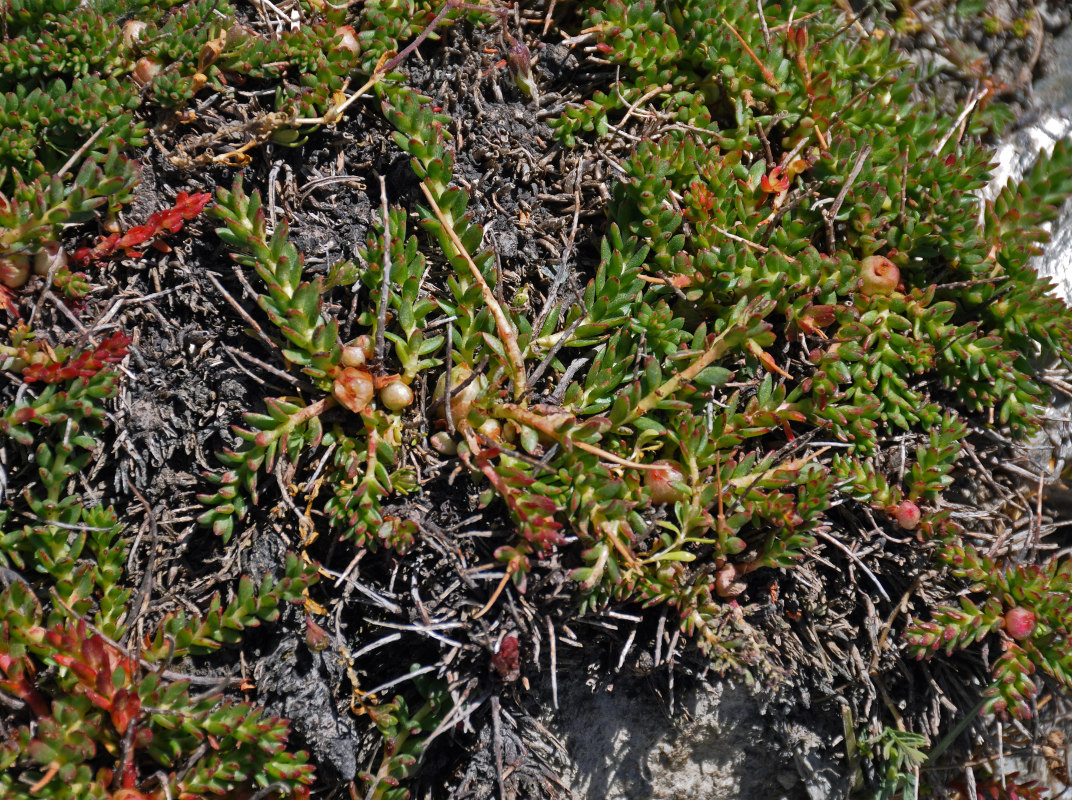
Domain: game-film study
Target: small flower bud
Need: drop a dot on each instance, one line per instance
(1019, 623)
(315, 637)
(907, 515)
(353, 388)
(880, 276)
(396, 396)
(14, 270)
(519, 62)
(506, 661)
(660, 482)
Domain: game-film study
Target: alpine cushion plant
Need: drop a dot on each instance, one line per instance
(782, 225)
(93, 712)
(778, 263)
(77, 80)
(796, 286)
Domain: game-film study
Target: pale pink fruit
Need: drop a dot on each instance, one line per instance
(353, 356)
(907, 515)
(443, 443)
(353, 388)
(132, 31)
(491, 428)
(14, 270)
(660, 481)
(728, 583)
(1019, 623)
(880, 276)
(461, 399)
(50, 255)
(347, 39)
(144, 71)
(358, 352)
(396, 396)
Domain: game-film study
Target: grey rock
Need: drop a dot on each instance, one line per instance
(297, 688)
(720, 745)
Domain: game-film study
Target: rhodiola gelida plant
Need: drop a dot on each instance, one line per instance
(778, 267)
(794, 276)
(94, 711)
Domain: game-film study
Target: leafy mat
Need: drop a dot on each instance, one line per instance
(359, 356)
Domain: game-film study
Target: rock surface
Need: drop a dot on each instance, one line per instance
(720, 747)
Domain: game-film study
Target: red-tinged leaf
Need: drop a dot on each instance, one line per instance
(113, 349)
(94, 653)
(192, 204)
(84, 672)
(7, 298)
(23, 415)
(534, 513)
(125, 708)
(99, 700)
(83, 365)
(816, 317)
(159, 224)
(25, 691)
(41, 752)
(105, 686)
(137, 235)
(127, 793)
(170, 220)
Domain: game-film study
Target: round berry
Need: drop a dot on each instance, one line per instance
(880, 276)
(1019, 623)
(352, 356)
(358, 352)
(396, 396)
(907, 515)
(353, 388)
(660, 482)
